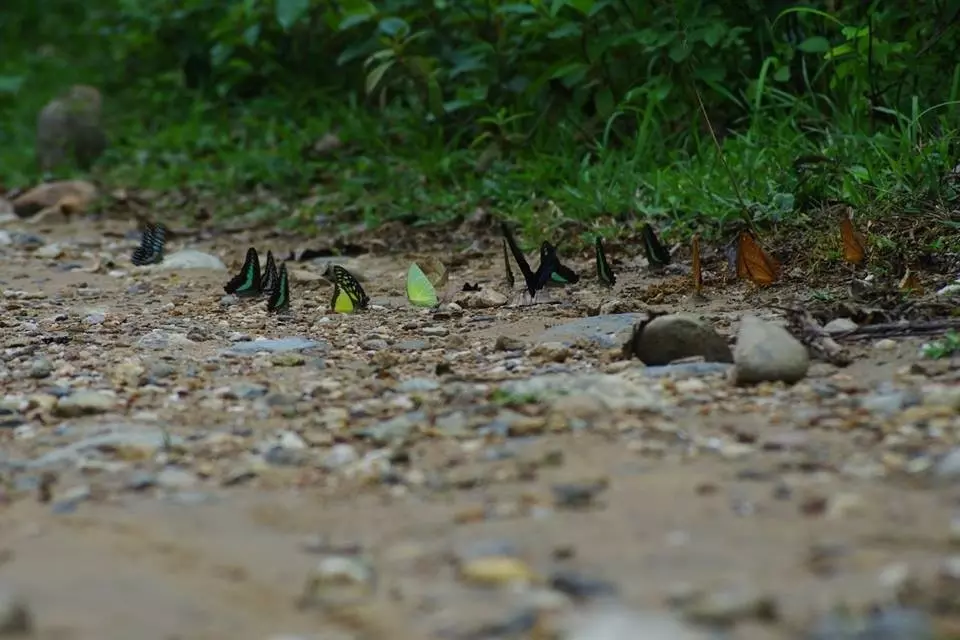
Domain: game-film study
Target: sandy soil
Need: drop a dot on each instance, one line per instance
(773, 511)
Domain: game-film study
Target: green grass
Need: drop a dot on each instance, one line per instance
(394, 165)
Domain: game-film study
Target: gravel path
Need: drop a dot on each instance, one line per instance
(477, 472)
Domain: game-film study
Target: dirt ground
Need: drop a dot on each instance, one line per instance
(786, 501)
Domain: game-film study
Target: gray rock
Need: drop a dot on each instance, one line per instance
(894, 623)
(275, 346)
(84, 403)
(176, 479)
(839, 325)
(160, 339)
(948, 467)
(766, 352)
(606, 331)
(395, 428)
(339, 456)
(688, 370)
(617, 623)
(191, 259)
(414, 385)
(149, 439)
(40, 368)
(16, 619)
(615, 391)
(672, 337)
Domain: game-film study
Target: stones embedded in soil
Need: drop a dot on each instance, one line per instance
(766, 352)
(424, 430)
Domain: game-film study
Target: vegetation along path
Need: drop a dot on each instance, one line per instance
(180, 463)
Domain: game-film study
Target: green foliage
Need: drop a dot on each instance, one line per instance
(946, 347)
(531, 106)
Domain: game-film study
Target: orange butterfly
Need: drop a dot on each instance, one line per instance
(753, 263)
(910, 283)
(854, 244)
(697, 269)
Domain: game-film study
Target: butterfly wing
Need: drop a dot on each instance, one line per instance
(657, 254)
(420, 291)
(348, 295)
(854, 249)
(151, 246)
(753, 263)
(271, 276)
(529, 277)
(697, 267)
(280, 296)
(246, 283)
(604, 272)
(506, 265)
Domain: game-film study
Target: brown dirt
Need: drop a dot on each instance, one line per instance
(135, 565)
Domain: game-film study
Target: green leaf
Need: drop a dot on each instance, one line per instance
(517, 8)
(353, 20)
(375, 76)
(11, 84)
(604, 102)
(289, 12)
(782, 74)
(394, 27)
(814, 44)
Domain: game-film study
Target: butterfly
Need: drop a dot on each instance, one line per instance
(150, 250)
(280, 296)
(247, 283)
(506, 265)
(348, 295)
(420, 291)
(657, 254)
(753, 262)
(604, 273)
(549, 269)
(697, 268)
(550, 263)
(854, 244)
(271, 277)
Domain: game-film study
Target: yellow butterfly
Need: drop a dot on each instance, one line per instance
(420, 291)
(348, 295)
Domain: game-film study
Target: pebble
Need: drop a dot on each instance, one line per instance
(339, 580)
(191, 259)
(496, 571)
(16, 618)
(85, 402)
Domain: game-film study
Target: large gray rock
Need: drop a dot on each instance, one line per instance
(766, 352)
(676, 336)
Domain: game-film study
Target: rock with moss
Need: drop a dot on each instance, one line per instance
(69, 128)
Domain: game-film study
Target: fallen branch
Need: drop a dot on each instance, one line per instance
(902, 328)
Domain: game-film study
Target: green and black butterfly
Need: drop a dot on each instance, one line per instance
(152, 241)
(348, 295)
(247, 283)
(559, 274)
(604, 272)
(657, 254)
(549, 269)
(280, 296)
(271, 277)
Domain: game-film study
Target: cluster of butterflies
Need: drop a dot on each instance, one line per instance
(551, 271)
(749, 258)
(250, 282)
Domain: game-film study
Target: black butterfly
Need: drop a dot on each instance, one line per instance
(150, 250)
(270, 275)
(548, 270)
(657, 254)
(280, 297)
(348, 295)
(604, 272)
(246, 283)
(506, 265)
